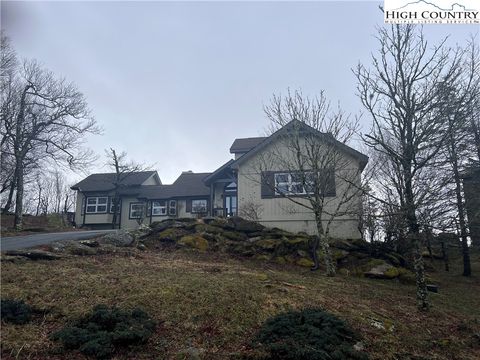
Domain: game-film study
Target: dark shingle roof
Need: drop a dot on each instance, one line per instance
(187, 184)
(299, 126)
(245, 144)
(104, 182)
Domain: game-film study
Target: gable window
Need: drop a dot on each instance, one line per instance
(172, 207)
(289, 184)
(159, 208)
(137, 210)
(199, 206)
(96, 205)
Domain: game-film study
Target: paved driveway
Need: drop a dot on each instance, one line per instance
(26, 241)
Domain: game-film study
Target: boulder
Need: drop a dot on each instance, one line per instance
(34, 254)
(305, 262)
(81, 248)
(194, 241)
(235, 236)
(119, 238)
(245, 226)
(206, 228)
(275, 233)
(171, 234)
(90, 243)
(267, 244)
(222, 223)
(383, 271)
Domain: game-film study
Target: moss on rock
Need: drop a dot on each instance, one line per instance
(305, 262)
(267, 244)
(194, 241)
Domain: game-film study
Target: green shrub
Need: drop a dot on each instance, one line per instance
(16, 311)
(100, 333)
(311, 334)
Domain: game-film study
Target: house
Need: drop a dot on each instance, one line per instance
(234, 188)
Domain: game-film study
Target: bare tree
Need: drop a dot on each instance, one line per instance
(251, 210)
(457, 99)
(312, 154)
(49, 120)
(123, 170)
(400, 93)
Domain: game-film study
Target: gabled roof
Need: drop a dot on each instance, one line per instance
(188, 184)
(245, 144)
(104, 182)
(207, 180)
(297, 126)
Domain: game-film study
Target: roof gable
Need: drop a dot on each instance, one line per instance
(105, 181)
(188, 184)
(298, 126)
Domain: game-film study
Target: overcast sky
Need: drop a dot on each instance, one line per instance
(174, 83)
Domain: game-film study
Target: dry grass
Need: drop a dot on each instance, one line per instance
(215, 304)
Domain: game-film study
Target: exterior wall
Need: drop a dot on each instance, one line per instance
(126, 222)
(90, 219)
(151, 181)
(218, 195)
(283, 213)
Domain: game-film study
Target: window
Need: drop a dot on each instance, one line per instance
(159, 208)
(199, 206)
(96, 205)
(172, 208)
(290, 184)
(137, 210)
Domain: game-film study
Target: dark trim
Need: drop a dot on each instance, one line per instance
(96, 205)
(208, 179)
(166, 207)
(206, 207)
(130, 209)
(268, 191)
(175, 207)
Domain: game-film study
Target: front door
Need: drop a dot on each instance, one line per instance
(230, 205)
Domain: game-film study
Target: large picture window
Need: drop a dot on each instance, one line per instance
(199, 206)
(137, 210)
(97, 205)
(159, 208)
(290, 184)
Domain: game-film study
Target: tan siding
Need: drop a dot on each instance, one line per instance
(151, 181)
(285, 214)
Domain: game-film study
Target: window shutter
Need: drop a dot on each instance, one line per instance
(188, 205)
(172, 207)
(149, 209)
(330, 182)
(267, 184)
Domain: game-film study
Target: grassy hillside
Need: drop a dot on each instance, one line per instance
(214, 304)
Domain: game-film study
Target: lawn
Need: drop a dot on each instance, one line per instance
(211, 305)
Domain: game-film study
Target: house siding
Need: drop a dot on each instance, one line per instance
(282, 212)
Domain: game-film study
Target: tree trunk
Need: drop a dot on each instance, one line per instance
(467, 270)
(19, 201)
(414, 235)
(8, 204)
(323, 242)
